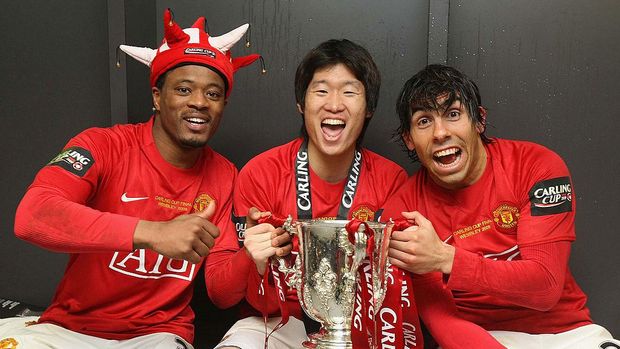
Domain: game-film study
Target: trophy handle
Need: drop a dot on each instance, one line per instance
(292, 273)
(381, 263)
(359, 246)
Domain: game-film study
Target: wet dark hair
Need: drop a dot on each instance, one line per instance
(332, 52)
(420, 92)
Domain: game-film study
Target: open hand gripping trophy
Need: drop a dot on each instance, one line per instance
(326, 269)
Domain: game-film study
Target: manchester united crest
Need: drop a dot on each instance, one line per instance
(201, 202)
(506, 217)
(8, 343)
(363, 213)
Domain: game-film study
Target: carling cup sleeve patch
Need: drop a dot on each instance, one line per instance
(551, 196)
(76, 160)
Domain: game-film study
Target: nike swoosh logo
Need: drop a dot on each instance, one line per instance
(124, 198)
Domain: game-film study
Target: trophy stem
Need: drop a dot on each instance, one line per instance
(330, 338)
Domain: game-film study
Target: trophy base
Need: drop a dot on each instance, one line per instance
(323, 340)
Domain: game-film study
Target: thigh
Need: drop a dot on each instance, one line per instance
(8, 326)
(584, 337)
(518, 340)
(19, 333)
(249, 333)
(589, 336)
(161, 340)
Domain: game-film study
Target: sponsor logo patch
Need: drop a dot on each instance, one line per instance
(199, 51)
(551, 196)
(239, 223)
(201, 202)
(363, 213)
(146, 264)
(76, 160)
(506, 217)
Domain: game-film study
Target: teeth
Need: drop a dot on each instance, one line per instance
(196, 120)
(333, 122)
(446, 152)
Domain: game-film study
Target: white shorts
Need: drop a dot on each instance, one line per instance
(16, 333)
(249, 333)
(584, 337)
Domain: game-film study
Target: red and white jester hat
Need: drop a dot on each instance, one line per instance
(192, 45)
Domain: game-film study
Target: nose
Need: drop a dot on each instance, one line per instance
(334, 103)
(440, 132)
(198, 100)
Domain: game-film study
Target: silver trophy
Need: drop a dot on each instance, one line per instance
(325, 273)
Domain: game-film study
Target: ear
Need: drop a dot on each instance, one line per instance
(406, 136)
(481, 125)
(300, 109)
(156, 96)
(368, 115)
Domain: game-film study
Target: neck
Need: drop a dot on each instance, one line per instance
(330, 168)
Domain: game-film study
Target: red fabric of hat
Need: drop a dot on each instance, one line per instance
(193, 45)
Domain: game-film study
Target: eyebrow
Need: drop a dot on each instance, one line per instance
(190, 81)
(426, 106)
(356, 83)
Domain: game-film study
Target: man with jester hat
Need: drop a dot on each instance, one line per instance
(139, 209)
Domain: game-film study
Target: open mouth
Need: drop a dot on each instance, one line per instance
(447, 157)
(332, 127)
(197, 123)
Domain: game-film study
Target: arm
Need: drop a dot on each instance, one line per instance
(228, 267)
(536, 281)
(50, 217)
(72, 206)
(54, 214)
(437, 309)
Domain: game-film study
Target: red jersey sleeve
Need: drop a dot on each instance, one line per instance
(438, 311)
(228, 268)
(54, 213)
(544, 187)
(535, 282)
(250, 192)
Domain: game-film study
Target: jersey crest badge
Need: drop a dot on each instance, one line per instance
(9, 343)
(506, 217)
(201, 202)
(363, 213)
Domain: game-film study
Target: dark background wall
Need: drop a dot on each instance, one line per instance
(548, 72)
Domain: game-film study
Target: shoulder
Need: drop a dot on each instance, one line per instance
(220, 162)
(102, 143)
(526, 157)
(380, 164)
(280, 158)
(118, 136)
(522, 149)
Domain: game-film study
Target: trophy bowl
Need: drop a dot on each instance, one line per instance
(326, 271)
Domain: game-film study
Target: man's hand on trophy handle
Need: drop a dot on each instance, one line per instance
(419, 249)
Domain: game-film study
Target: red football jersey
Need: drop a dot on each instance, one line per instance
(269, 183)
(523, 199)
(87, 202)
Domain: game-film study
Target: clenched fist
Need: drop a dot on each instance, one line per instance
(264, 240)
